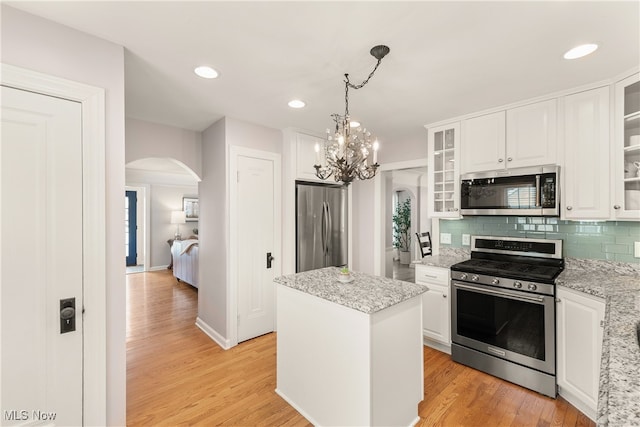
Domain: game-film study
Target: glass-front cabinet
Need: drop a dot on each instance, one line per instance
(444, 155)
(627, 149)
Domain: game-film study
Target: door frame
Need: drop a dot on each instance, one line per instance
(92, 99)
(379, 216)
(233, 260)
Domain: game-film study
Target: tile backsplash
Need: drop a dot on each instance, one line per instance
(610, 240)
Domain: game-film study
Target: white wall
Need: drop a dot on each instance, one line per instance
(213, 290)
(214, 230)
(164, 199)
(146, 139)
(44, 46)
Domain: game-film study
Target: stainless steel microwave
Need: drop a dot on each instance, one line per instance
(532, 191)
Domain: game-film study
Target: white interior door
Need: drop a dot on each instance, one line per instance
(256, 208)
(42, 255)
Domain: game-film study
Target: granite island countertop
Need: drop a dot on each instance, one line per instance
(366, 293)
(619, 285)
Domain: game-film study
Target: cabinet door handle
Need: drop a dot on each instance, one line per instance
(558, 300)
(444, 295)
(509, 159)
(569, 208)
(430, 276)
(500, 160)
(616, 206)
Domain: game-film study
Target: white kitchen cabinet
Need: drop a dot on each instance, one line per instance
(306, 156)
(483, 143)
(626, 149)
(531, 135)
(436, 308)
(586, 152)
(579, 326)
(443, 164)
(518, 137)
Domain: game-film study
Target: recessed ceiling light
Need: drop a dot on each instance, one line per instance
(354, 124)
(580, 51)
(296, 103)
(206, 72)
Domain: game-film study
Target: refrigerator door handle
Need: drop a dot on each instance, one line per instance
(324, 229)
(329, 230)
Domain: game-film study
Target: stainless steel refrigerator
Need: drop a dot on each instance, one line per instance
(321, 226)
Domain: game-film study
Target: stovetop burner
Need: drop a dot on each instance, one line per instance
(510, 269)
(519, 259)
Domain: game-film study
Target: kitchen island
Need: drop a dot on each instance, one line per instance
(350, 353)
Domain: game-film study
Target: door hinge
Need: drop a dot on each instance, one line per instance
(602, 323)
(238, 176)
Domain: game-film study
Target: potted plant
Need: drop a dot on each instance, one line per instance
(401, 225)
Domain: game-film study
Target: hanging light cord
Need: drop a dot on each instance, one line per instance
(348, 84)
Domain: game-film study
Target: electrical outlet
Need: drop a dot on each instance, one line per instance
(445, 238)
(636, 249)
(466, 239)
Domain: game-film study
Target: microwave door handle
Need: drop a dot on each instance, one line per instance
(538, 203)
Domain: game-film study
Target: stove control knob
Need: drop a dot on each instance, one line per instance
(517, 285)
(495, 281)
(463, 276)
(474, 278)
(532, 287)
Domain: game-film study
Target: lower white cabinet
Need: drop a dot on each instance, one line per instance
(436, 308)
(579, 326)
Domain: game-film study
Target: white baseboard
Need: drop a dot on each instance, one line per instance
(213, 334)
(578, 403)
(438, 346)
(158, 268)
(311, 420)
(296, 407)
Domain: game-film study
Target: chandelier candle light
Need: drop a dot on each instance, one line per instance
(345, 154)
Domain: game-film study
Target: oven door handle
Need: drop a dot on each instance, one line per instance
(501, 294)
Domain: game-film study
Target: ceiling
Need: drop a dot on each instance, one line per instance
(447, 58)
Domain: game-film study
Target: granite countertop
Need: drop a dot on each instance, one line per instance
(447, 257)
(368, 294)
(619, 285)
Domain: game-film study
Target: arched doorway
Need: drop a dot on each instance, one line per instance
(160, 186)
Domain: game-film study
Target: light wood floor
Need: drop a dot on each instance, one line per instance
(177, 376)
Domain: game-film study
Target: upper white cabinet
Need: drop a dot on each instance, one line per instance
(518, 137)
(586, 153)
(444, 155)
(483, 142)
(579, 322)
(626, 154)
(306, 156)
(531, 135)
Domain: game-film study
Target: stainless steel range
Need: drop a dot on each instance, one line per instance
(503, 310)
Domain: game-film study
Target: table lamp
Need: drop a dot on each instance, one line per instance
(177, 218)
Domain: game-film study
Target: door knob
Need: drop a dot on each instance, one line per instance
(67, 315)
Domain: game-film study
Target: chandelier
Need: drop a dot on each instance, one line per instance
(345, 153)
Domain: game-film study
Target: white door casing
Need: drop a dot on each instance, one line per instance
(91, 263)
(41, 184)
(255, 223)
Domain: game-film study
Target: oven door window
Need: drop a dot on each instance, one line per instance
(510, 324)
